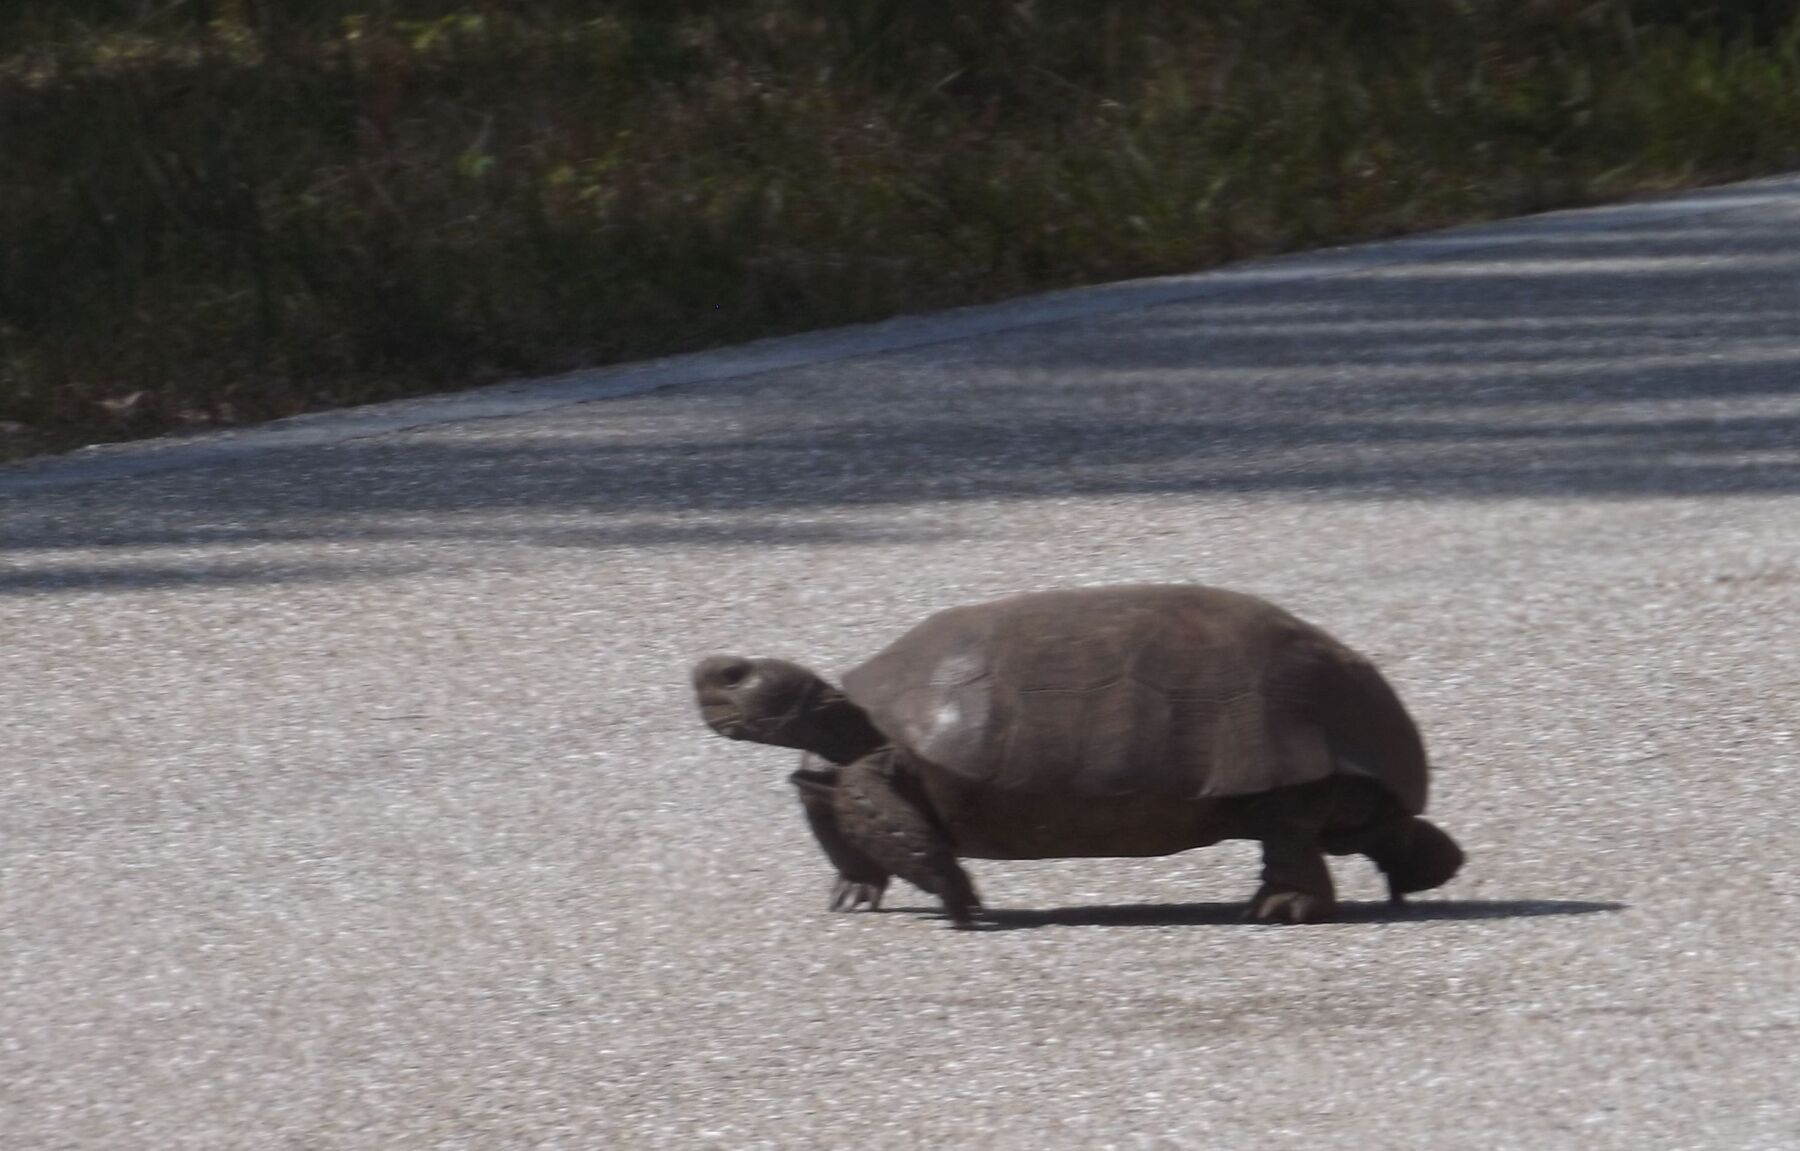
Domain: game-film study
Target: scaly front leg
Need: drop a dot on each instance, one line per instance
(884, 817)
(861, 881)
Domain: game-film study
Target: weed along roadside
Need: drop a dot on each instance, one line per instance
(231, 211)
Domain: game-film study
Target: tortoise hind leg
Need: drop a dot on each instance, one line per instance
(886, 820)
(1287, 822)
(1296, 884)
(1414, 855)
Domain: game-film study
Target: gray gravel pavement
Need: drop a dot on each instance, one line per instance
(351, 795)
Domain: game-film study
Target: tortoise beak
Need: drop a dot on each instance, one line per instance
(715, 680)
(724, 718)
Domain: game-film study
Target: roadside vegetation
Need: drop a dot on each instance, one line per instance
(215, 211)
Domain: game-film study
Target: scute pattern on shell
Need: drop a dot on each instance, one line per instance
(1145, 690)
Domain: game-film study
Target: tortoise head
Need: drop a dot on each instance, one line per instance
(774, 701)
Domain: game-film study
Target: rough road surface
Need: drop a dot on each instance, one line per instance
(351, 795)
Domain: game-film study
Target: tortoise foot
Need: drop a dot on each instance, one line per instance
(848, 895)
(965, 918)
(1417, 856)
(1273, 904)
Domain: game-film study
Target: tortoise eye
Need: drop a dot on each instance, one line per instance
(723, 672)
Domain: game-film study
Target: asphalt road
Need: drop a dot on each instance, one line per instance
(351, 795)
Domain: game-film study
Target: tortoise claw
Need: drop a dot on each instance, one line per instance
(965, 915)
(966, 918)
(848, 895)
(1282, 905)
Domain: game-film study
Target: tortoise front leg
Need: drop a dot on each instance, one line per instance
(886, 820)
(860, 879)
(1296, 884)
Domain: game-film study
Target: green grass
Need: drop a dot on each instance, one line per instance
(227, 211)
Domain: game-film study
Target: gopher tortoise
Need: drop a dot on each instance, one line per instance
(1116, 721)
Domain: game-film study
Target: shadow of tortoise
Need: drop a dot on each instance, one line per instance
(1231, 914)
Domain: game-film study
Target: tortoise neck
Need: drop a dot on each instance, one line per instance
(840, 731)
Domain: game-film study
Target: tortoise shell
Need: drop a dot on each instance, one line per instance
(1148, 691)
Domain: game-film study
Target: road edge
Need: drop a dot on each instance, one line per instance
(106, 462)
